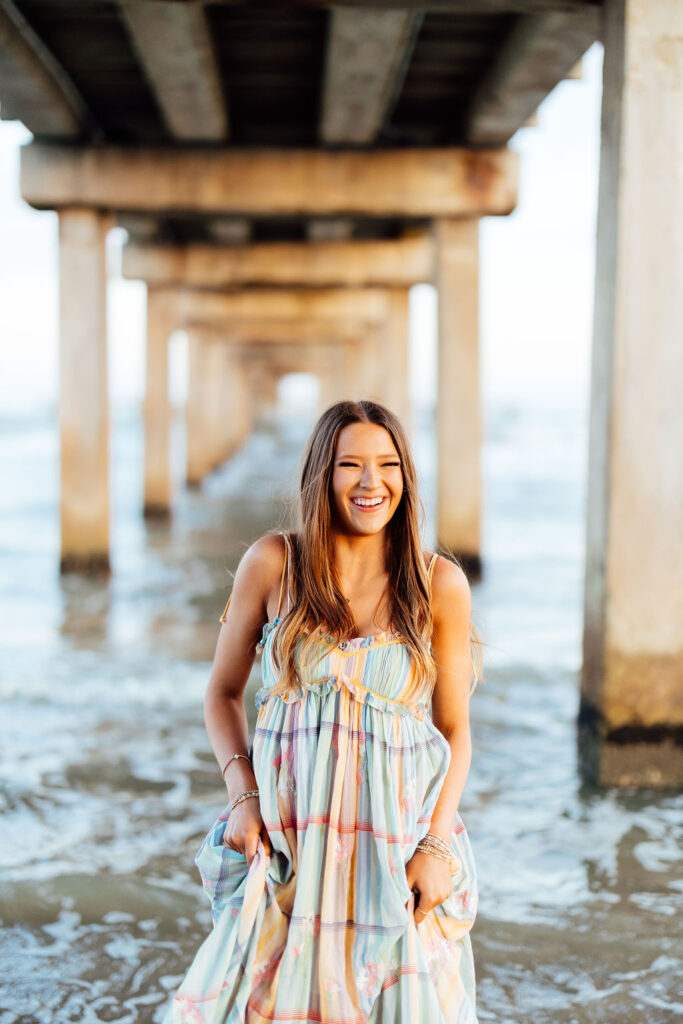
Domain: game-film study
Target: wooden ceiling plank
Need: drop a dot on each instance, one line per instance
(174, 45)
(367, 56)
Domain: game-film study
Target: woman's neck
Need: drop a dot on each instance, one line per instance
(359, 561)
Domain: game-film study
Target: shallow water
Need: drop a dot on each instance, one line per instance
(108, 783)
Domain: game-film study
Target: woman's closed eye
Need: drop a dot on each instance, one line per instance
(354, 465)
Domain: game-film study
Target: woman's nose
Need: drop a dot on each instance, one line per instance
(370, 475)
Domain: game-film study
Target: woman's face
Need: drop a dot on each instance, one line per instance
(367, 479)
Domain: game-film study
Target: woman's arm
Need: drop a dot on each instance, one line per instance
(224, 714)
(451, 608)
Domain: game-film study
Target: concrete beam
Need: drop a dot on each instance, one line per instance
(406, 182)
(405, 261)
(34, 88)
(174, 46)
(454, 6)
(279, 333)
(541, 51)
(367, 57)
(329, 229)
(368, 305)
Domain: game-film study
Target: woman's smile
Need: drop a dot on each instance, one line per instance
(369, 504)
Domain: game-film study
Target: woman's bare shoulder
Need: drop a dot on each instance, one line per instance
(265, 555)
(451, 593)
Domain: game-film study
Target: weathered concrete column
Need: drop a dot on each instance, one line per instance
(265, 392)
(242, 407)
(156, 409)
(396, 354)
(215, 410)
(371, 380)
(197, 434)
(631, 714)
(230, 399)
(351, 368)
(83, 392)
(328, 393)
(333, 373)
(458, 408)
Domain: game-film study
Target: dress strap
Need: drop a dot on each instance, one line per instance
(225, 610)
(286, 568)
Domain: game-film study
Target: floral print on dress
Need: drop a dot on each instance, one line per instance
(368, 978)
(284, 765)
(343, 848)
(408, 796)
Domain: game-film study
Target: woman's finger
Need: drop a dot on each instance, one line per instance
(266, 841)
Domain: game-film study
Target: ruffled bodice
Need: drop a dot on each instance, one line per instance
(377, 670)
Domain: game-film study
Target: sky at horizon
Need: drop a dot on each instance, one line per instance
(536, 280)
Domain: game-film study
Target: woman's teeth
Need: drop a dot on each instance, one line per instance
(370, 503)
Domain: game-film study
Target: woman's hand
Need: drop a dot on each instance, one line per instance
(243, 828)
(432, 876)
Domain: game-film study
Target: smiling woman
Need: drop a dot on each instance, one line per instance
(341, 878)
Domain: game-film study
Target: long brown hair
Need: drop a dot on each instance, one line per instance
(317, 596)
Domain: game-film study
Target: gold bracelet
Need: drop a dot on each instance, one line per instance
(232, 759)
(243, 796)
(432, 837)
(436, 850)
(434, 853)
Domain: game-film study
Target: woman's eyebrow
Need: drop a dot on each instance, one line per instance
(391, 455)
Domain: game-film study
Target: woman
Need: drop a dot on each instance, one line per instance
(341, 878)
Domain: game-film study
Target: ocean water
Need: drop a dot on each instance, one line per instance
(108, 782)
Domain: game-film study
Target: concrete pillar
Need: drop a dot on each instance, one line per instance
(215, 408)
(242, 408)
(371, 379)
(197, 441)
(351, 368)
(328, 388)
(333, 374)
(229, 421)
(396, 354)
(83, 392)
(265, 381)
(458, 408)
(156, 409)
(631, 713)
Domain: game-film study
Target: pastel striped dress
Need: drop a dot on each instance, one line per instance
(322, 930)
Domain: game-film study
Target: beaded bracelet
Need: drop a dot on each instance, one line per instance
(243, 796)
(439, 848)
(436, 842)
(434, 852)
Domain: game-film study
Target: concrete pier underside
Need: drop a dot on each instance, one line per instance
(290, 240)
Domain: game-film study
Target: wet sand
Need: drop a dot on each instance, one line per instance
(108, 783)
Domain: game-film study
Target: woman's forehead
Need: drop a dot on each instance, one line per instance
(365, 439)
